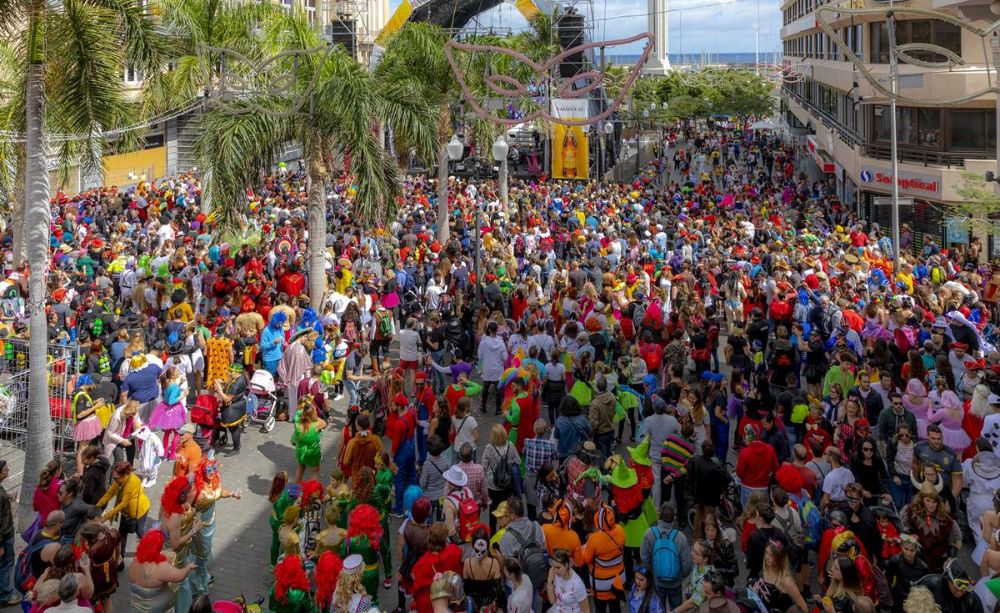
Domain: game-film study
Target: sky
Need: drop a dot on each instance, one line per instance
(696, 26)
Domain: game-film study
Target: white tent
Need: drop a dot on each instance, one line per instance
(762, 124)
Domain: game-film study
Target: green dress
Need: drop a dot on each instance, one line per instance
(277, 514)
(306, 444)
(369, 578)
(296, 601)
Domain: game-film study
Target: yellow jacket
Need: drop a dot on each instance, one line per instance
(132, 500)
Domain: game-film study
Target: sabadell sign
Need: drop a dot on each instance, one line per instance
(916, 184)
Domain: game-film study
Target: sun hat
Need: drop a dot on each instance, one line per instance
(456, 476)
(188, 428)
(501, 510)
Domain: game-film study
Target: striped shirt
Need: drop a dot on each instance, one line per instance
(676, 454)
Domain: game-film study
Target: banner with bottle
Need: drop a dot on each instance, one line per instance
(570, 147)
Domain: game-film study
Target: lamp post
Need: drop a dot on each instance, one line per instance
(500, 150)
(894, 77)
(452, 152)
(609, 129)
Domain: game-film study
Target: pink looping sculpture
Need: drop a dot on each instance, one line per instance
(508, 87)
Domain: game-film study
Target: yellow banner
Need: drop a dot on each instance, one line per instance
(395, 22)
(570, 152)
(527, 8)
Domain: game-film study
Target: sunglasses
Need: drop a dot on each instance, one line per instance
(867, 449)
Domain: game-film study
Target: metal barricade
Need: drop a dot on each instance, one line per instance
(61, 371)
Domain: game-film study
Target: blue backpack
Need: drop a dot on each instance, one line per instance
(812, 520)
(666, 561)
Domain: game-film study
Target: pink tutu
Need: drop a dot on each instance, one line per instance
(922, 428)
(87, 429)
(168, 417)
(955, 439)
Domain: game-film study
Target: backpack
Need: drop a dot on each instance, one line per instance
(666, 561)
(502, 477)
(468, 513)
(938, 275)
(533, 558)
(812, 520)
(792, 530)
(383, 327)
(24, 580)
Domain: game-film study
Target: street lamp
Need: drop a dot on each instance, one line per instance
(500, 150)
(455, 148)
(452, 153)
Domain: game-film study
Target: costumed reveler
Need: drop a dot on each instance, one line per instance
(209, 487)
(180, 523)
(291, 590)
(628, 498)
(281, 496)
(364, 535)
(328, 569)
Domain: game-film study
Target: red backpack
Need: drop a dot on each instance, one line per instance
(468, 512)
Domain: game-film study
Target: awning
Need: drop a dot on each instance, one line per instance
(762, 124)
(822, 158)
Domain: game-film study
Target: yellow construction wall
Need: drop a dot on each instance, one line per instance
(149, 162)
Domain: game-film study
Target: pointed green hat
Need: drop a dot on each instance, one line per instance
(640, 453)
(623, 476)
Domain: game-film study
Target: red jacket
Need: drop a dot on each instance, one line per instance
(756, 464)
(430, 564)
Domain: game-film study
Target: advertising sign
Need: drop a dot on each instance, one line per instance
(912, 183)
(570, 147)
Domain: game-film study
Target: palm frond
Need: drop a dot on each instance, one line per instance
(412, 118)
(237, 146)
(83, 60)
(142, 42)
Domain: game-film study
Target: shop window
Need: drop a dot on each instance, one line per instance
(915, 127)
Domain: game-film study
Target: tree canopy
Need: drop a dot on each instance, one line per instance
(694, 94)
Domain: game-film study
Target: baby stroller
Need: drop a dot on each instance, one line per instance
(205, 417)
(261, 408)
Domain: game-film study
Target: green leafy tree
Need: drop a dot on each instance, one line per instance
(980, 204)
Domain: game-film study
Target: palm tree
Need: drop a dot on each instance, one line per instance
(343, 102)
(193, 26)
(415, 55)
(73, 52)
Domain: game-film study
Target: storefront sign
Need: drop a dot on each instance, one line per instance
(822, 162)
(928, 186)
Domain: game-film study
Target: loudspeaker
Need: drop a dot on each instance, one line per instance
(570, 30)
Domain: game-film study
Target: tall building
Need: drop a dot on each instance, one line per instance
(842, 124)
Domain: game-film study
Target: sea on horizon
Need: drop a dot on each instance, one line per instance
(687, 59)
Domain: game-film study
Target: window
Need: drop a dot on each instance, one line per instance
(828, 101)
(973, 129)
(132, 74)
(310, 6)
(931, 31)
(915, 127)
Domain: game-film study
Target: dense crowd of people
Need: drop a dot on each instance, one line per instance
(706, 390)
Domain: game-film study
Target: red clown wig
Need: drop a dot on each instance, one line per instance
(311, 490)
(364, 521)
(150, 547)
(175, 495)
(289, 575)
(328, 569)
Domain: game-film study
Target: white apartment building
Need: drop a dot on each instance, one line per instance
(841, 123)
